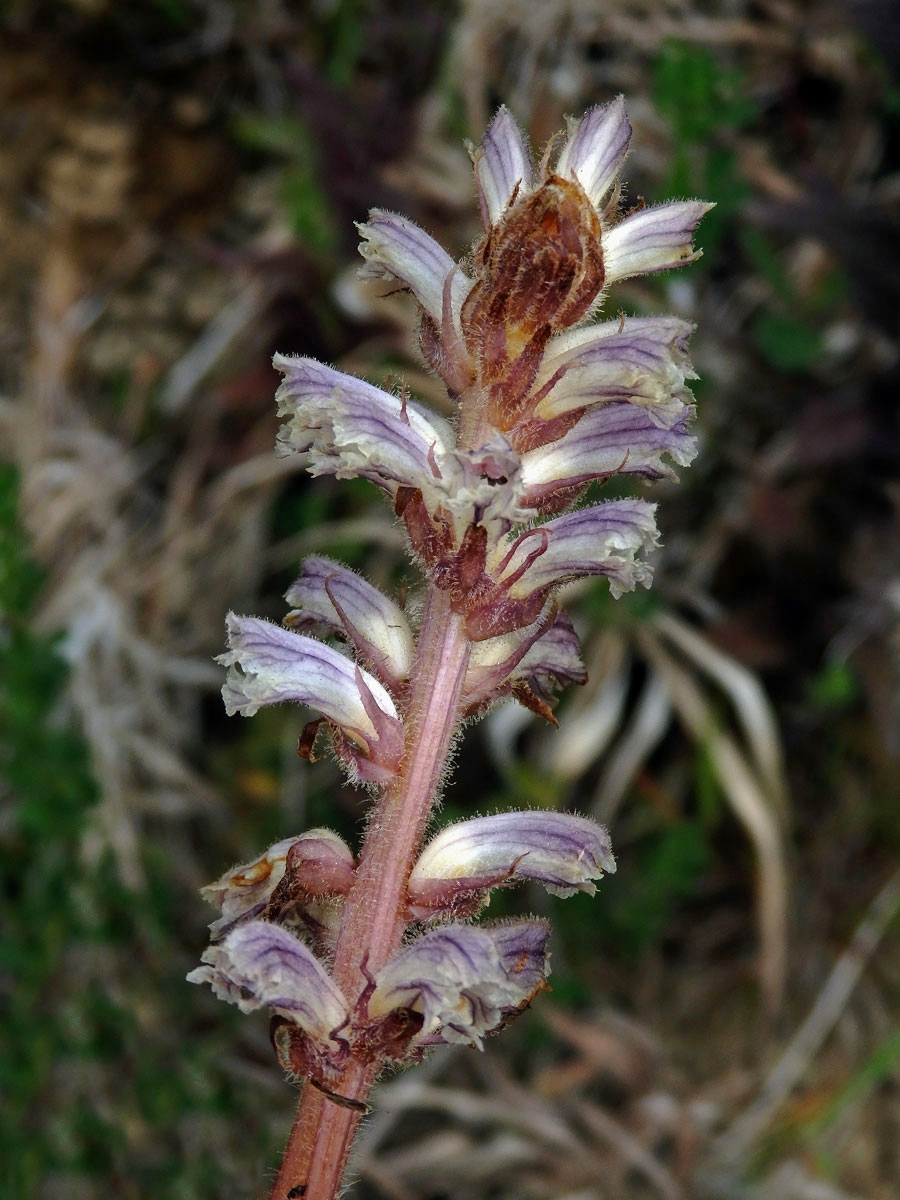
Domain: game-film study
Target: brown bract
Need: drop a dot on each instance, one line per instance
(538, 271)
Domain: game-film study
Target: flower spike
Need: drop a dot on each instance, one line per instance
(548, 399)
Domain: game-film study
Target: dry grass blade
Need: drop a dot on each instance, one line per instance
(792, 1182)
(609, 1045)
(637, 1157)
(644, 732)
(750, 702)
(239, 314)
(123, 557)
(738, 1140)
(748, 799)
(531, 1117)
(377, 530)
(594, 713)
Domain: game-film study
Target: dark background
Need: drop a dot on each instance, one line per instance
(178, 185)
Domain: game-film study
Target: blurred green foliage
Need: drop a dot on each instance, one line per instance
(46, 773)
(305, 202)
(342, 34)
(96, 1074)
(834, 688)
(703, 102)
(175, 13)
(877, 1070)
(706, 104)
(660, 871)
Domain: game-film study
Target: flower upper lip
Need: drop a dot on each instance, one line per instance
(592, 156)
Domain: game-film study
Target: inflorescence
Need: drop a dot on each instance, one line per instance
(549, 400)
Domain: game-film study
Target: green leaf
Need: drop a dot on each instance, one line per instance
(789, 343)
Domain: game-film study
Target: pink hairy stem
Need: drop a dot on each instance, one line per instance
(374, 919)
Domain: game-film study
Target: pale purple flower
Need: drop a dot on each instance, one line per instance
(503, 166)
(464, 979)
(542, 658)
(260, 965)
(596, 148)
(654, 239)
(320, 858)
(396, 248)
(592, 156)
(349, 428)
(330, 598)
(271, 665)
(638, 360)
(563, 852)
(601, 540)
(612, 439)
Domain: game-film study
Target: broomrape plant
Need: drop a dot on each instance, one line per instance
(370, 961)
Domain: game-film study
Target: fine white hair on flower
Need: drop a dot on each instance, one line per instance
(396, 248)
(600, 540)
(503, 166)
(596, 148)
(638, 360)
(350, 428)
(654, 239)
(610, 440)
